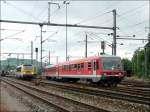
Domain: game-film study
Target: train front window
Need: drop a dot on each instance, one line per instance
(18, 69)
(27, 67)
(112, 64)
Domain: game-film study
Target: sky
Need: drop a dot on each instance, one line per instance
(132, 19)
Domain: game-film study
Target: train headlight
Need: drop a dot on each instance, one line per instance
(120, 73)
(105, 73)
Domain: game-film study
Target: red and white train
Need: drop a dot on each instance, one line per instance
(102, 69)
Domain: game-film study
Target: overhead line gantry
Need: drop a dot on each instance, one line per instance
(41, 24)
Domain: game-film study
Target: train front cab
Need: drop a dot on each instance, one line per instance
(111, 70)
(26, 71)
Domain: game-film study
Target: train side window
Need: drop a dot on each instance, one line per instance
(82, 65)
(70, 67)
(65, 67)
(89, 65)
(74, 66)
(78, 66)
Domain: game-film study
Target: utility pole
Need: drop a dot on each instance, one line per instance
(0, 56)
(41, 25)
(137, 61)
(36, 51)
(17, 59)
(86, 45)
(49, 57)
(23, 57)
(66, 31)
(103, 46)
(114, 32)
(31, 52)
(49, 12)
(112, 49)
(145, 61)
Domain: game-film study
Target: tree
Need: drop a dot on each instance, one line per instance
(149, 38)
(138, 60)
(127, 64)
(147, 46)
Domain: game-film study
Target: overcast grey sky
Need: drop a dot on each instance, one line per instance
(132, 19)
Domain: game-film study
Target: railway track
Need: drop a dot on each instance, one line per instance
(122, 88)
(134, 91)
(121, 93)
(102, 92)
(125, 87)
(60, 103)
(128, 90)
(136, 84)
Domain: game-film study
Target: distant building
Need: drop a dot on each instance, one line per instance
(11, 63)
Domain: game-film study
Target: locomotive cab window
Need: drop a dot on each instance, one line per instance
(112, 64)
(18, 69)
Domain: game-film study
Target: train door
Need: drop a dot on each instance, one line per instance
(94, 67)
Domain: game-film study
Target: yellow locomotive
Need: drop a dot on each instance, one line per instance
(26, 71)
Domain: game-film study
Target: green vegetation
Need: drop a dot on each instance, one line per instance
(138, 61)
(136, 65)
(127, 65)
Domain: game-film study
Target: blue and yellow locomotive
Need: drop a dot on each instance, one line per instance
(26, 71)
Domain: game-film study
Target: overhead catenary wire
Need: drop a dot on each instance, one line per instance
(99, 38)
(55, 11)
(89, 19)
(49, 37)
(121, 16)
(99, 14)
(130, 11)
(12, 35)
(10, 29)
(137, 24)
(22, 11)
(34, 6)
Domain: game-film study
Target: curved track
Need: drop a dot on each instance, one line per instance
(60, 103)
(102, 92)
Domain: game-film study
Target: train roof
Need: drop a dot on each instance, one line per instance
(83, 60)
(24, 65)
(48, 66)
(88, 58)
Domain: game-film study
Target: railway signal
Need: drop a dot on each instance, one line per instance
(103, 46)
